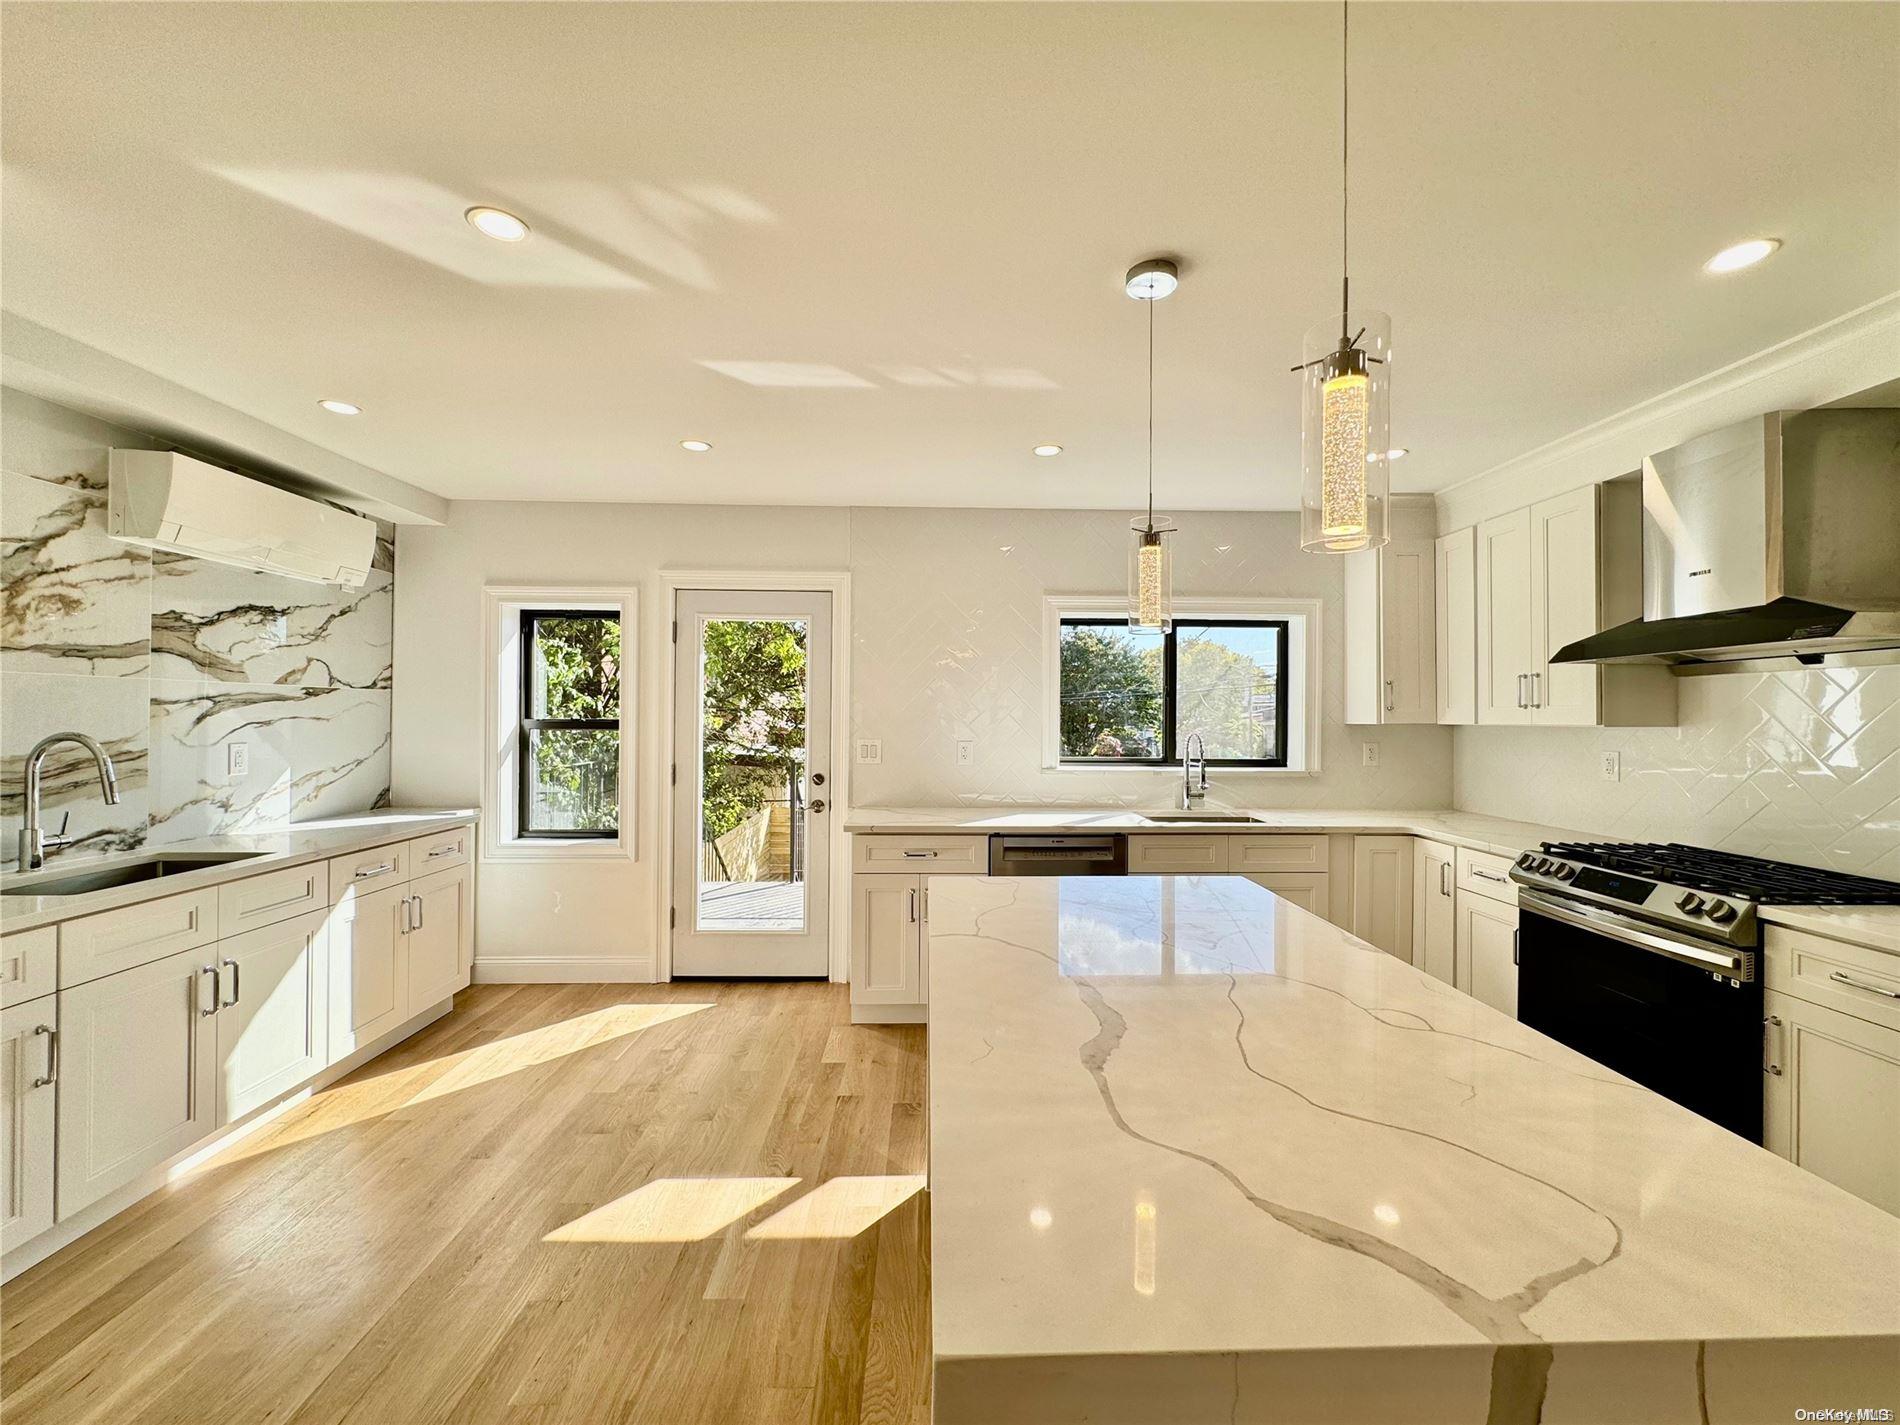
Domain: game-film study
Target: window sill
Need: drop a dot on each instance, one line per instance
(536, 849)
(1173, 769)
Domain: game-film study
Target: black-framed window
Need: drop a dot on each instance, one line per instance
(568, 743)
(1130, 697)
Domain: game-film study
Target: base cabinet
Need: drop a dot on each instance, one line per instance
(369, 967)
(887, 938)
(1382, 893)
(1304, 889)
(29, 1067)
(273, 1019)
(1831, 1080)
(1435, 910)
(138, 1073)
(1487, 951)
(440, 937)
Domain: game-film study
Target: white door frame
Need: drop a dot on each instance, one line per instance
(837, 583)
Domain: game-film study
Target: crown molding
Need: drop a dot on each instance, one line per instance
(1850, 353)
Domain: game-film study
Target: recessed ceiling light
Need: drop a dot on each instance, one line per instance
(696, 445)
(341, 408)
(1047, 450)
(503, 227)
(1743, 254)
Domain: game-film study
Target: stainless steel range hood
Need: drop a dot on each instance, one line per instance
(1778, 536)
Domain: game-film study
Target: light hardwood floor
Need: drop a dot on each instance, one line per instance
(506, 1219)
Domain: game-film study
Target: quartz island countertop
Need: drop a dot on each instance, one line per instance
(1198, 1155)
(271, 850)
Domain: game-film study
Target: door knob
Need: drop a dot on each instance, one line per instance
(818, 805)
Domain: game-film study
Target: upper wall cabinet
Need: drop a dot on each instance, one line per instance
(1391, 629)
(1545, 577)
(1457, 619)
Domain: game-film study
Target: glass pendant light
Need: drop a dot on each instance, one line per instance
(1345, 399)
(1150, 577)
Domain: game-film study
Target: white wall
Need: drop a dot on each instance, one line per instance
(946, 643)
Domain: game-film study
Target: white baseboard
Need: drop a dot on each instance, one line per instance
(890, 1014)
(564, 970)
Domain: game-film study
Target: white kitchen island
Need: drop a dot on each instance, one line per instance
(1198, 1155)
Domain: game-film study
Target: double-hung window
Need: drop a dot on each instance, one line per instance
(1131, 697)
(567, 762)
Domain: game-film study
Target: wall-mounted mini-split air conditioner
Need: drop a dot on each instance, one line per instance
(169, 501)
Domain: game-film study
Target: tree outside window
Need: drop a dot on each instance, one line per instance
(569, 738)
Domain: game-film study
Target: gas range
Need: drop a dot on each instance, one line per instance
(1710, 895)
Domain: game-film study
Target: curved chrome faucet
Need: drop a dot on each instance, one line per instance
(1193, 751)
(34, 841)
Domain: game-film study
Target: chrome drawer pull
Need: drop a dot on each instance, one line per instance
(1484, 875)
(443, 851)
(366, 872)
(1853, 983)
(920, 855)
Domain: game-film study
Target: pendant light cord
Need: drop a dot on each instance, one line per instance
(1345, 168)
(1151, 414)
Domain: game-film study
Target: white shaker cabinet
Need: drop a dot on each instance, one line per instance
(1455, 614)
(887, 936)
(1563, 608)
(137, 1074)
(273, 1021)
(29, 1067)
(440, 936)
(1487, 951)
(1382, 893)
(1832, 1096)
(1391, 626)
(369, 967)
(1304, 889)
(1435, 910)
(1504, 640)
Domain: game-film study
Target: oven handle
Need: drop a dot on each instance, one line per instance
(1740, 964)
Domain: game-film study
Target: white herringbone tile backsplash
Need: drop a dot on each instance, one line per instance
(947, 615)
(1802, 766)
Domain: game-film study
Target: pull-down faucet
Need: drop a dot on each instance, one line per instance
(1193, 753)
(34, 841)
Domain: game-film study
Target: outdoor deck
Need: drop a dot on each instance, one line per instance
(752, 905)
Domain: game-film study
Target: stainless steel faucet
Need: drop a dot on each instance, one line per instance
(1193, 753)
(34, 841)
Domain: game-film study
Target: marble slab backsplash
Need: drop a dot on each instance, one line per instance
(168, 660)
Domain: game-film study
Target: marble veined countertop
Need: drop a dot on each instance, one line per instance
(1196, 1154)
(306, 841)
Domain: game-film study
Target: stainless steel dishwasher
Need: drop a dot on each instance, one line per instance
(1103, 855)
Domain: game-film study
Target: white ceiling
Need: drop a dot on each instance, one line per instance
(874, 252)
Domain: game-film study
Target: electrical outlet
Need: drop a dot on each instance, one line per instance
(966, 752)
(237, 759)
(1368, 754)
(1610, 766)
(870, 751)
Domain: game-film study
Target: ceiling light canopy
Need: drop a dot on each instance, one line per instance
(341, 408)
(1743, 254)
(499, 225)
(696, 445)
(1152, 280)
(1047, 450)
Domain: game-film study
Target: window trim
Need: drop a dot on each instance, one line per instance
(526, 726)
(1170, 684)
(1301, 741)
(502, 605)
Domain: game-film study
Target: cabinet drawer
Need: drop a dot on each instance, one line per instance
(278, 895)
(371, 870)
(115, 940)
(1177, 855)
(1483, 874)
(933, 855)
(1247, 855)
(1851, 978)
(439, 851)
(29, 965)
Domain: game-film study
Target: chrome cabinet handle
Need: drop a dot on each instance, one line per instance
(913, 905)
(1444, 878)
(418, 901)
(217, 991)
(1485, 875)
(920, 855)
(405, 915)
(1520, 690)
(1771, 1056)
(51, 1076)
(370, 872)
(1388, 695)
(237, 984)
(1537, 690)
(1853, 983)
(449, 850)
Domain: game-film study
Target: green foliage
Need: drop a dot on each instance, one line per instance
(754, 717)
(576, 770)
(1222, 694)
(1111, 693)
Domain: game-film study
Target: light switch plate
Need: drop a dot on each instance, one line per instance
(237, 759)
(870, 751)
(1610, 766)
(966, 752)
(1368, 754)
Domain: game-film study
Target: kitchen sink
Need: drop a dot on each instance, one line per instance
(120, 873)
(1205, 818)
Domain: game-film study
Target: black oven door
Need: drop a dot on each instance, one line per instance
(1687, 1032)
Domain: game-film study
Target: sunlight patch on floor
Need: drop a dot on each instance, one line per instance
(351, 1103)
(673, 1210)
(840, 1207)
